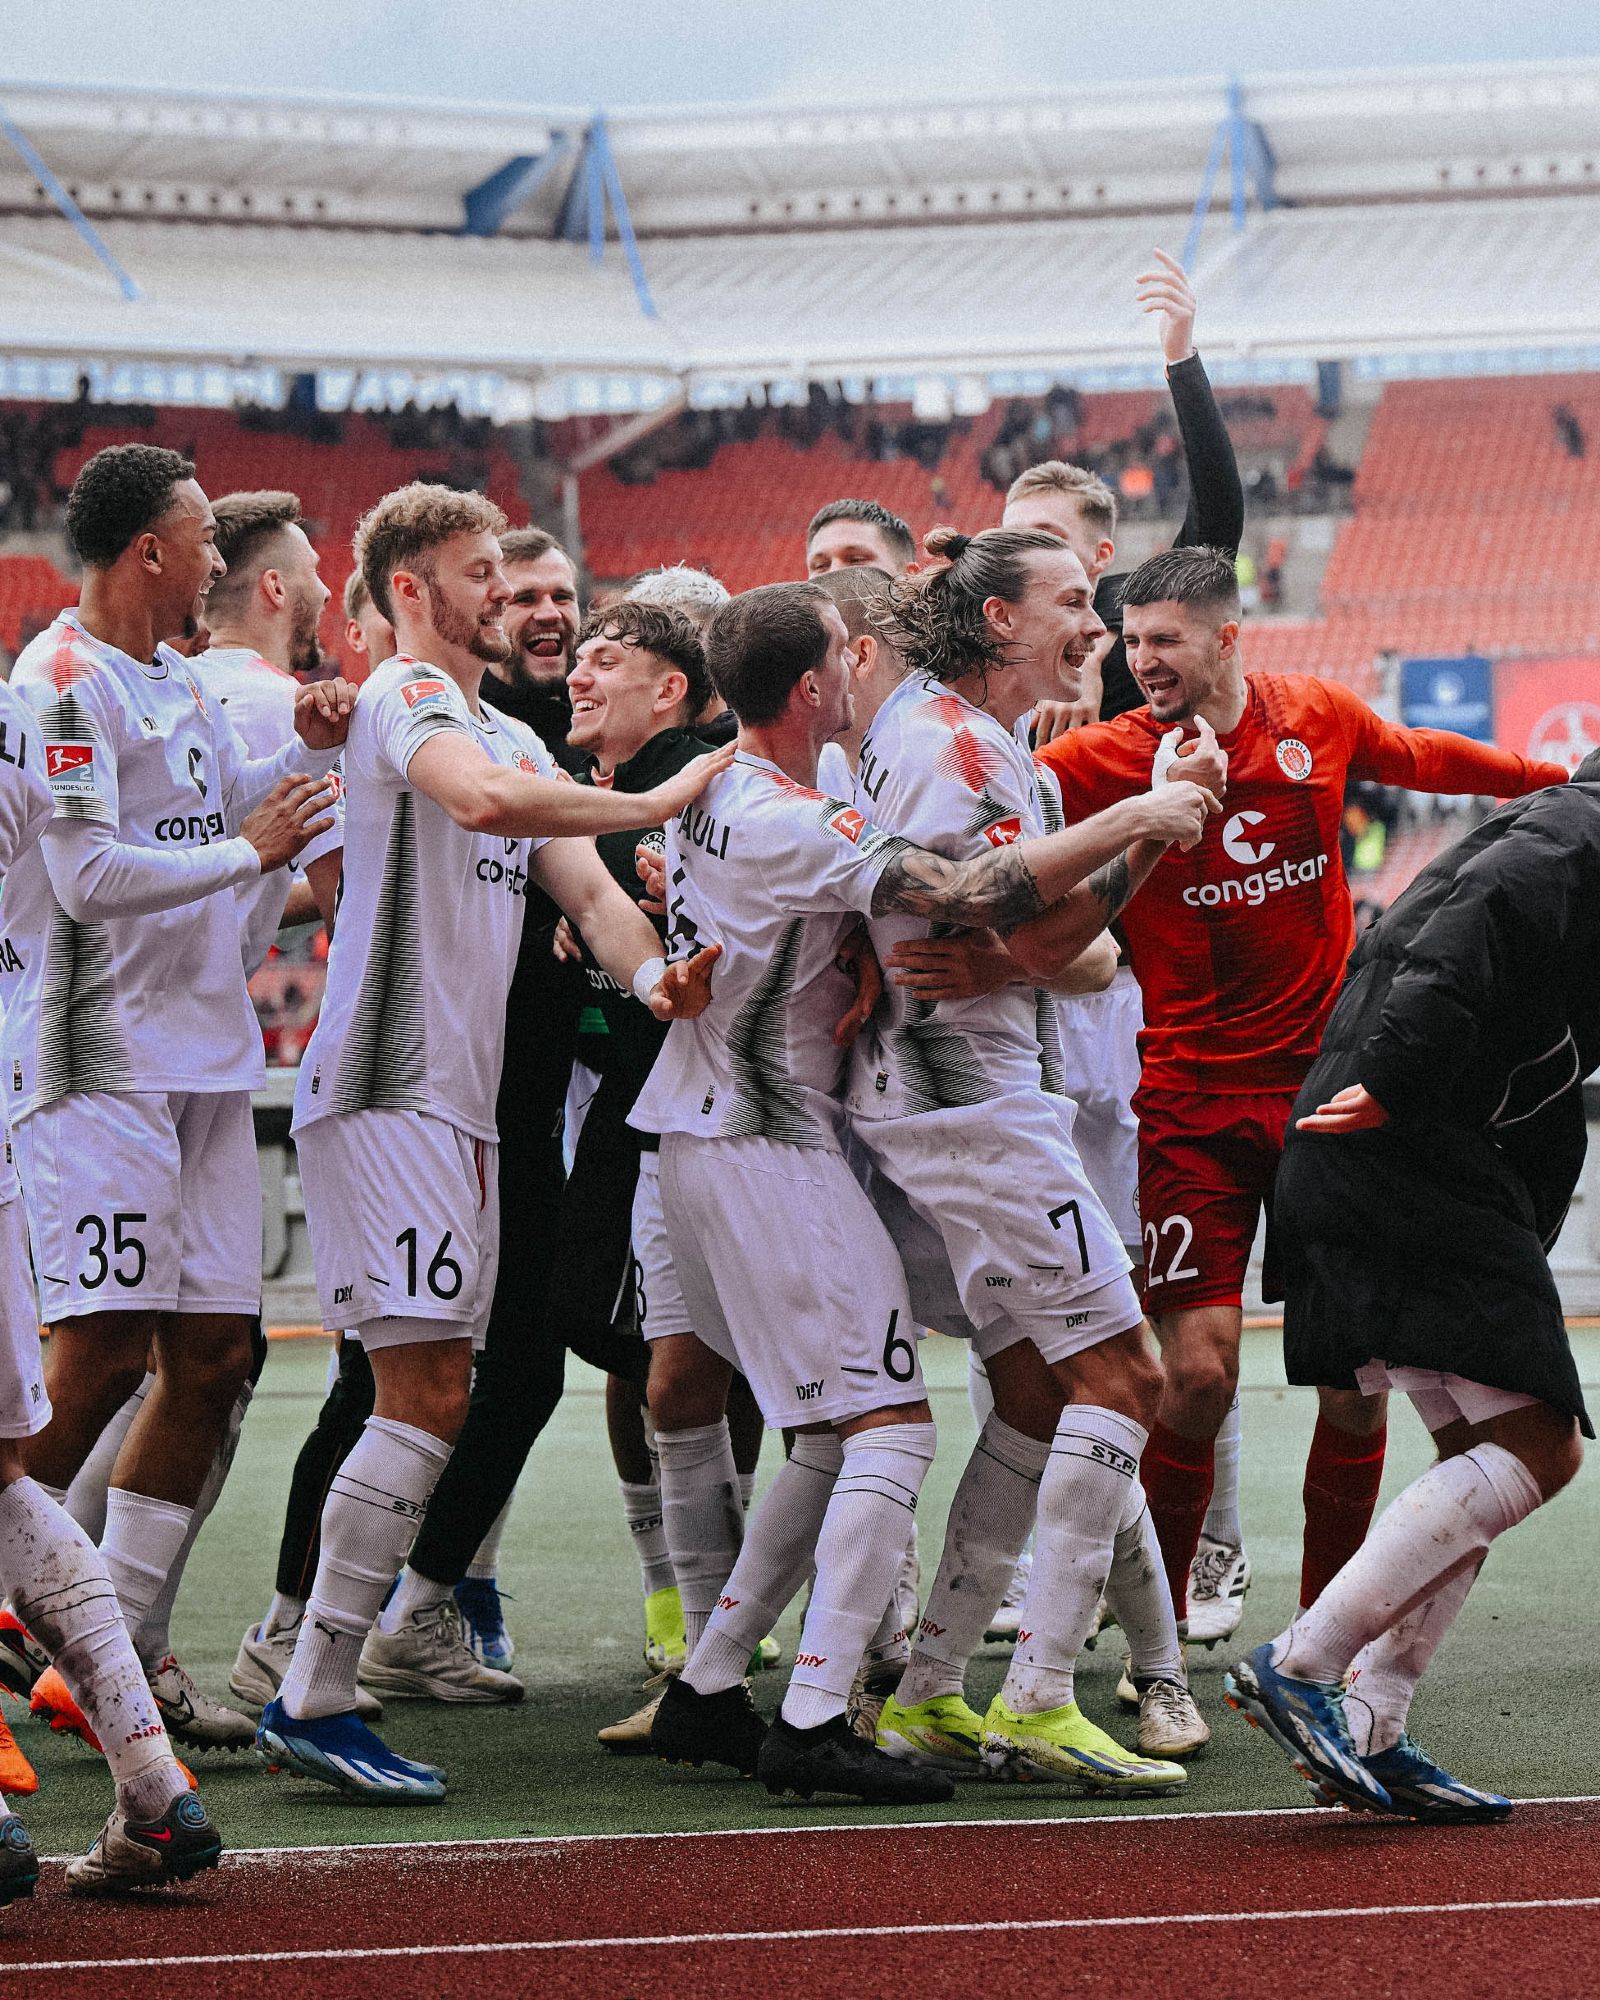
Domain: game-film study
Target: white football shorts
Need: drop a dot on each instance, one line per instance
(143, 1201)
(404, 1215)
(24, 1406)
(1026, 1237)
(1439, 1399)
(789, 1275)
(656, 1289)
(1100, 1055)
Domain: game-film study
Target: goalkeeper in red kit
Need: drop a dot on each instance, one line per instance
(1239, 945)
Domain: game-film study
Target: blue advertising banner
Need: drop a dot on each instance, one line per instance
(1453, 694)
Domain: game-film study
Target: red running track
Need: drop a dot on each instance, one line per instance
(1311, 1904)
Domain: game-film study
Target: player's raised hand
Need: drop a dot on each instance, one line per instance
(963, 967)
(665, 801)
(856, 956)
(650, 865)
(322, 713)
(1177, 814)
(684, 989)
(292, 813)
(1199, 758)
(1353, 1109)
(1167, 291)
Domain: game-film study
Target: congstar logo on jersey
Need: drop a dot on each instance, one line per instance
(1240, 845)
(508, 874)
(195, 829)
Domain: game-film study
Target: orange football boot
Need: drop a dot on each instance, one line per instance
(17, 1776)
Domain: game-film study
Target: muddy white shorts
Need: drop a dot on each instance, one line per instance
(657, 1293)
(404, 1215)
(143, 1201)
(788, 1274)
(24, 1406)
(1026, 1236)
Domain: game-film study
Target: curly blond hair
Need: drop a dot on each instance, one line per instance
(406, 526)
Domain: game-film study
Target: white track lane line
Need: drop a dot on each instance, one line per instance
(1068, 1823)
(817, 1936)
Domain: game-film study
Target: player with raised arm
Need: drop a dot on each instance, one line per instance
(746, 1099)
(450, 808)
(130, 1045)
(1239, 947)
(49, 1569)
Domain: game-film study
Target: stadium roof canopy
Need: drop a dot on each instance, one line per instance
(1409, 221)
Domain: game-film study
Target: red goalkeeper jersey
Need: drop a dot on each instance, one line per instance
(1240, 944)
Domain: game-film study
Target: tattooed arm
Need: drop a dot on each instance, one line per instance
(1048, 944)
(1010, 887)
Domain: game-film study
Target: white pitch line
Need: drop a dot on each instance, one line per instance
(669, 1940)
(1066, 1823)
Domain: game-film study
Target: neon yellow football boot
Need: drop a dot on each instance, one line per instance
(943, 1734)
(1061, 1746)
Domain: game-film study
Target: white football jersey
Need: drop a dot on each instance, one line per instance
(947, 776)
(835, 777)
(259, 700)
(776, 874)
(153, 1001)
(430, 918)
(25, 809)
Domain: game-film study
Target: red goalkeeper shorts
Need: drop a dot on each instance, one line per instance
(1206, 1162)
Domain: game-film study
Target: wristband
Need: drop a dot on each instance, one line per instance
(647, 978)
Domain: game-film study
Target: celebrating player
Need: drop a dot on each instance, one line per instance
(1238, 947)
(449, 810)
(130, 1043)
(1435, 1148)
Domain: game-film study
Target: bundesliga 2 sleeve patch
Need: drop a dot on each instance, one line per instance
(424, 697)
(848, 822)
(1004, 832)
(70, 769)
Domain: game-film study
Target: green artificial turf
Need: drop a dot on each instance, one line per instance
(1509, 1702)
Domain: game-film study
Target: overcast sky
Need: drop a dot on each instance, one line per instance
(574, 52)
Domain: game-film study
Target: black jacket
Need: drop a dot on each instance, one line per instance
(1471, 1012)
(1215, 516)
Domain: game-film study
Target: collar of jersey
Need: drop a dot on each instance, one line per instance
(162, 660)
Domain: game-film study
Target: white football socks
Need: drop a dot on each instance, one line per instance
(990, 1519)
(1083, 1499)
(1222, 1516)
(485, 1565)
(779, 1544)
(641, 1509)
(154, 1636)
(865, 1533)
(283, 1614)
(375, 1503)
(1441, 1524)
(1377, 1700)
(58, 1583)
(141, 1543)
(702, 1513)
(1137, 1593)
(413, 1592)
(86, 1496)
(747, 1490)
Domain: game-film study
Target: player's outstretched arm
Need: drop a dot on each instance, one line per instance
(618, 935)
(972, 963)
(485, 797)
(1010, 886)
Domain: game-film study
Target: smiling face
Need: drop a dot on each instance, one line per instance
(1180, 654)
(1050, 630)
(542, 619)
(461, 592)
(621, 696)
(182, 561)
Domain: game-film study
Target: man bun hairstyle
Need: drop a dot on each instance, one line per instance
(1095, 500)
(1199, 575)
(659, 630)
(939, 626)
(247, 526)
(405, 528)
(761, 643)
(121, 493)
(872, 514)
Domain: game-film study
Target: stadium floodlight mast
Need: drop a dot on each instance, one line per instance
(34, 161)
(1249, 158)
